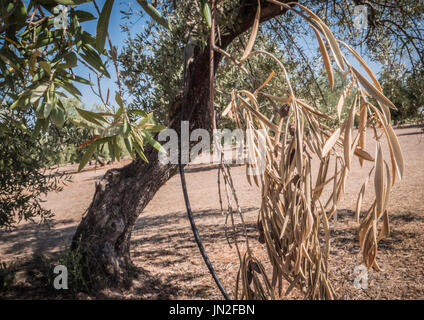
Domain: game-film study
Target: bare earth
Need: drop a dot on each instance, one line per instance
(173, 268)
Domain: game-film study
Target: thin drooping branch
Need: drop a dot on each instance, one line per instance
(181, 166)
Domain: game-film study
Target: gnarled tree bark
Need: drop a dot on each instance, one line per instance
(122, 194)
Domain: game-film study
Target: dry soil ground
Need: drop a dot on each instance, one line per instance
(164, 248)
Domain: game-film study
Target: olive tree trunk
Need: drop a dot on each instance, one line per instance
(121, 195)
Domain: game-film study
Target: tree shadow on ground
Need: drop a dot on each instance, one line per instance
(167, 241)
(178, 237)
(346, 238)
(161, 242)
(38, 238)
(149, 286)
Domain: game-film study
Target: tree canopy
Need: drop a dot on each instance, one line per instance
(152, 59)
(41, 42)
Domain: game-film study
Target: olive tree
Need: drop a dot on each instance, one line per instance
(42, 57)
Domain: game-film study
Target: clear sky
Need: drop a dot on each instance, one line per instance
(118, 38)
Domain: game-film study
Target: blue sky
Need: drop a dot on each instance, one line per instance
(118, 38)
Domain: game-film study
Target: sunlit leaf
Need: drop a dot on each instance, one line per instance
(154, 14)
(103, 25)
